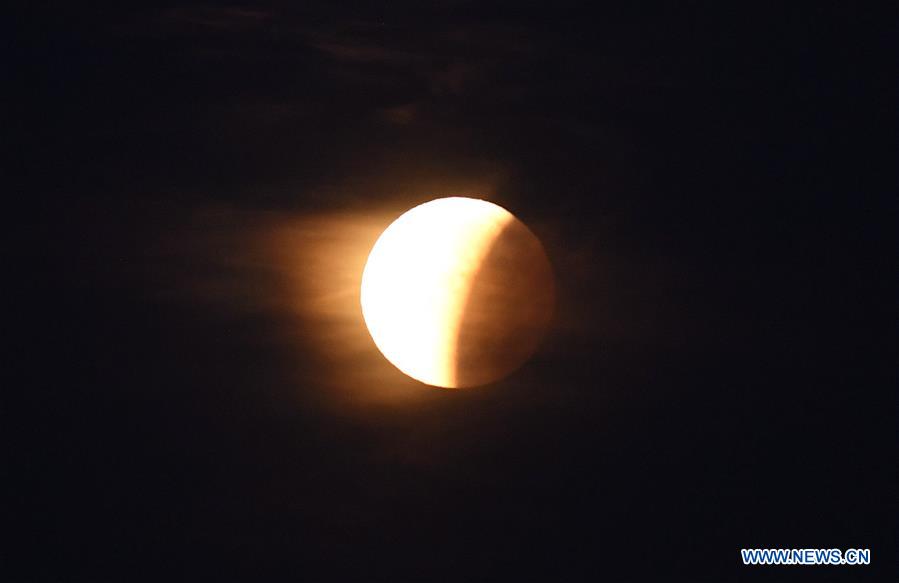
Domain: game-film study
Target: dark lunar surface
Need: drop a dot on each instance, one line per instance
(713, 183)
(508, 308)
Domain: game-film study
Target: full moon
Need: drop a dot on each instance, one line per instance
(457, 292)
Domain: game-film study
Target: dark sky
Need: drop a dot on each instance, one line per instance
(193, 188)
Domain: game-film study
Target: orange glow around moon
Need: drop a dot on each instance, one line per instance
(428, 297)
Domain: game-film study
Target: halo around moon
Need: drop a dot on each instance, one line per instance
(457, 292)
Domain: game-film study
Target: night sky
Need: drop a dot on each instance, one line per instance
(193, 189)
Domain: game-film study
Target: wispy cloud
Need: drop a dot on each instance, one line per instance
(222, 18)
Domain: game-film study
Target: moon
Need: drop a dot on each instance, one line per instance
(457, 292)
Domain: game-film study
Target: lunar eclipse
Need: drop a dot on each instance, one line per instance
(448, 291)
(457, 292)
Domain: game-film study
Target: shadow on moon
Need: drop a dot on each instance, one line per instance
(508, 309)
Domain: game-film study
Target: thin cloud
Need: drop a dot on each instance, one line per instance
(217, 17)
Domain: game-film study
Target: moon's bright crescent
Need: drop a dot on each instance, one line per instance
(418, 279)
